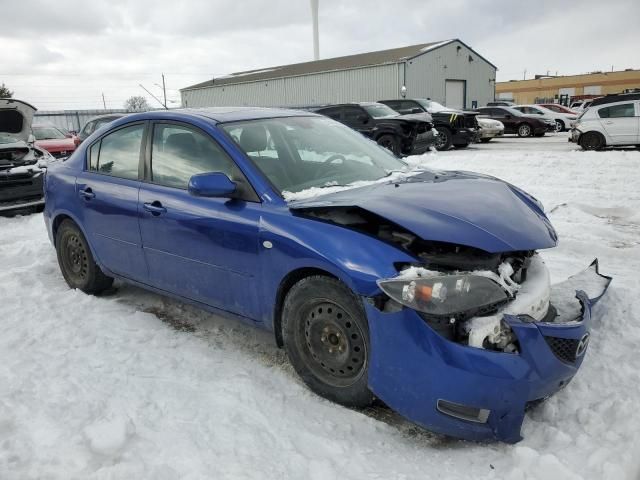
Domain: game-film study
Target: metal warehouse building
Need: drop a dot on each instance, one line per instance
(449, 72)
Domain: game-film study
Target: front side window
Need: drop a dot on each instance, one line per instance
(354, 115)
(119, 153)
(617, 111)
(297, 153)
(380, 111)
(178, 153)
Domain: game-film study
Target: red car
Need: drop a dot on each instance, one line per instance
(54, 141)
(558, 108)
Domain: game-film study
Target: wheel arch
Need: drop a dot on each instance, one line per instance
(285, 285)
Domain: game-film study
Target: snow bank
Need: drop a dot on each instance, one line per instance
(106, 388)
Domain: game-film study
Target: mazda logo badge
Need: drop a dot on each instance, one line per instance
(582, 345)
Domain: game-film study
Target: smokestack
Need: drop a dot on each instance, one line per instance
(316, 40)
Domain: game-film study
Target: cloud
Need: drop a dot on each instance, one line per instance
(67, 53)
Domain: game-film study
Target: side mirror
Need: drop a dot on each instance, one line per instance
(31, 139)
(214, 184)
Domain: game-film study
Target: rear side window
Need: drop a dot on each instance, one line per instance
(179, 152)
(88, 128)
(118, 153)
(617, 111)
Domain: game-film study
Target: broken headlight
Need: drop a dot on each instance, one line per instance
(445, 295)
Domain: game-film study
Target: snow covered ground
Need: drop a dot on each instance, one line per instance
(136, 386)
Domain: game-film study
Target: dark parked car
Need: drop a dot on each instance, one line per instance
(455, 127)
(402, 134)
(97, 122)
(517, 122)
(421, 288)
(22, 163)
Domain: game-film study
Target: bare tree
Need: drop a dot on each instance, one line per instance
(5, 92)
(136, 103)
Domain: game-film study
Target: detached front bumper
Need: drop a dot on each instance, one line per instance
(21, 191)
(423, 143)
(472, 393)
(465, 136)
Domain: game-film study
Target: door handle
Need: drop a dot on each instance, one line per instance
(609, 122)
(155, 208)
(87, 193)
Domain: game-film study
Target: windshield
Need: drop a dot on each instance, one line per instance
(380, 111)
(297, 153)
(47, 133)
(431, 106)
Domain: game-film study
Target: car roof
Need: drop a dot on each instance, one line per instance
(622, 97)
(232, 114)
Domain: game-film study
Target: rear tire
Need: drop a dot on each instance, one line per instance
(524, 130)
(78, 267)
(326, 336)
(444, 139)
(592, 141)
(390, 142)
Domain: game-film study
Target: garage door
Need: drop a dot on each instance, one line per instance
(454, 93)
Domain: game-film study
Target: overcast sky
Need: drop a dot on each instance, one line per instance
(65, 54)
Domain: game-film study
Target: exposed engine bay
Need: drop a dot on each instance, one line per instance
(461, 292)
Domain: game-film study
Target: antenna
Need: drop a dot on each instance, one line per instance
(316, 39)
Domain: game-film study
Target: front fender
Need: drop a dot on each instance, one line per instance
(356, 259)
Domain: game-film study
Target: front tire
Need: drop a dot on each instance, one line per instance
(78, 267)
(391, 143)
(524, 130)
(559, 126)
(326, 337)
(444, 139)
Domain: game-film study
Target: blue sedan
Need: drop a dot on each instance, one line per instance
(423, 289)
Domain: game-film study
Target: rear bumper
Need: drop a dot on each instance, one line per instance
(413, 368)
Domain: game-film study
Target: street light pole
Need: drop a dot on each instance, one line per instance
(164, 91)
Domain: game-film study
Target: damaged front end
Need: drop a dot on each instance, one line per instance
(485, 344)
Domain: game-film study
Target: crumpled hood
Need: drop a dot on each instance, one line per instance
(453, 207)
(16, 117)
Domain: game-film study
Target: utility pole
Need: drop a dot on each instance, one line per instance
(104, 104)
(164, 91)
(524, 75)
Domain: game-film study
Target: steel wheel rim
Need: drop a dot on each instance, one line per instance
(75, 257)
(334, 347)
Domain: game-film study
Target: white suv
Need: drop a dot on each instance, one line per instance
(609, 124)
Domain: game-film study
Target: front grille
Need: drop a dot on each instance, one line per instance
(563, 348)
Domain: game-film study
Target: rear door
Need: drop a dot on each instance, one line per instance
(621, 122)
(204, 249)
(108, 191)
